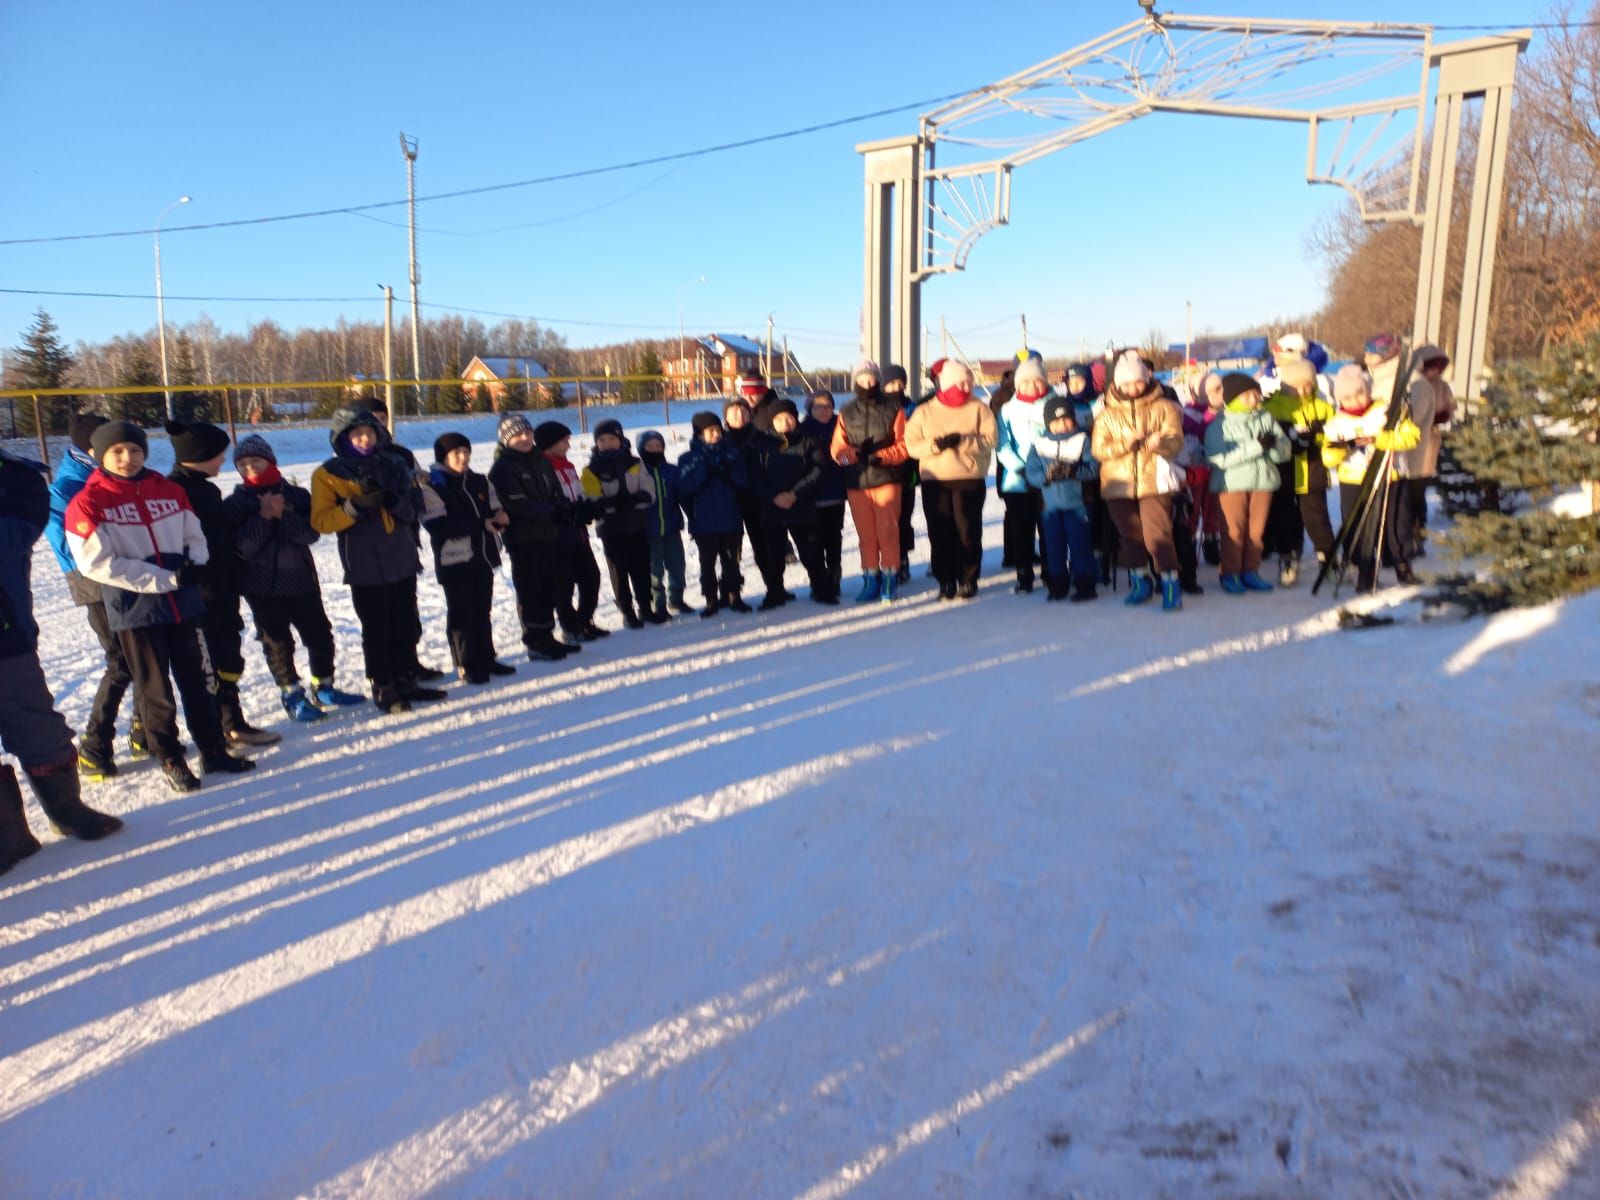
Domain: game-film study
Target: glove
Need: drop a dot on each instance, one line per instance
(189, 574)
(1057, 471)
(870, 458)
(369, 485)
(387, 499)
(947, 441)
(1267, 442)
(1301, 438)
(367, 499)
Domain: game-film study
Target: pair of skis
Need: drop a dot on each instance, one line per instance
(1372, 501)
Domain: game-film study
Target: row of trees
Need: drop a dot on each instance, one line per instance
(200, 354)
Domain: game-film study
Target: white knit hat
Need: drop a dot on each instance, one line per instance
(867, 367)
(1292, 345)
(1130, 370)
(955, 374)
(1031, 371)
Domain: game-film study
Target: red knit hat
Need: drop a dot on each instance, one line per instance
(752, 384)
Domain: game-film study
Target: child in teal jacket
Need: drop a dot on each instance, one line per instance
(1244, 447)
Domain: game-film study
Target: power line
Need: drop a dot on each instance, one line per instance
(680, 156)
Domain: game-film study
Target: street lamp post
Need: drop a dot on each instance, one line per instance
(161, 309)
(683, 288)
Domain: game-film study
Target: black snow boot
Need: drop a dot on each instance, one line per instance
(179, 777)
(95, 763)
(57, 790)
(388, 700)
(235, 728)
(409, 688)
(217, 761)
(16, 839)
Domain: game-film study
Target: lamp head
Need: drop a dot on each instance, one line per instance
(183, 199)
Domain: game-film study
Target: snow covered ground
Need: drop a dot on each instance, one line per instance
(993, 900)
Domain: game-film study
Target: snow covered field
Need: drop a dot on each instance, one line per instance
(993, 900)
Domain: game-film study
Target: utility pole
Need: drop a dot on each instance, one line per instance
(767, 371)
(944, 340)
(1024, 317)
(408, 147)
(786, 362)
(1188, 334)
(388, 351)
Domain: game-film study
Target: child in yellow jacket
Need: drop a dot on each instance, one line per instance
(1351, 437)
(1300, 506)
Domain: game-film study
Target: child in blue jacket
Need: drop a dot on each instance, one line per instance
(711, 478)
(1057, 467)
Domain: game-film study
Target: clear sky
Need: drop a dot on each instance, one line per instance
(115, 109)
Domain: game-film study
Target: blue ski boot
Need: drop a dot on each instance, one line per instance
(871, 587)
(890, 587)
(1140, 587)
(326, 695)
(1254, 583)
(299, 706)
(1171, 592)
(1234, 585)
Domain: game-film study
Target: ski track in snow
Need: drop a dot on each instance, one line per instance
(1000, 899)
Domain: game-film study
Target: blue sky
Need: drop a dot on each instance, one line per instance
(258, 110)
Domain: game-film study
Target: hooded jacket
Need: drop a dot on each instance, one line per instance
(1019, 425)
(1427, 401)
(1071, 449)
(131, 536)
(665, 516)
(1126, 473)
(378, 544)
(70, 476)
(274, 556)
(1293, 411)
(1234, 453)
(454, 509)
(787, 463)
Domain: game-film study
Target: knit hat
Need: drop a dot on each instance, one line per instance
(1291, 345)
(703, 421)
(83, 427)
(549, 433)
(894, 373)
(196, 443)
(612, 426)
(1236, 384)
(752, 384)
(782, 405)
(651, 435)
(1059, 406)
(1297, 373)
(253, 445)
(1031, 371)
(1351, 383)
(113, 433)
(1081, 371)
(867, 367)
(955, 374)
(447, 442)
(1382, 347)
(510, 425)
(1026, 354)
(1130, 370)
(935, 367)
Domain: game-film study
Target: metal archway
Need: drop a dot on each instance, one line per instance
(924, 215)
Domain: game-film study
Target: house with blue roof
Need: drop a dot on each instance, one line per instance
(512, 381)
(713, 364)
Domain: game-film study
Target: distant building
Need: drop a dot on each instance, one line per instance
(714, 363)
(500, 373)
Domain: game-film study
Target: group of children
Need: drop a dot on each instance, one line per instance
(1130, 472)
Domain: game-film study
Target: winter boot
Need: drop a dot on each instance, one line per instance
(95, 763)
(544, 647)
(1288, 570)
(57, 789)
(1140, 587)
(1083, 589)
(388, 700)
(496, 667)
(217, 761)
(1404, 575)
(678, 606)
(427, 674)
(658, 615)
(1211, 551)
(966, 590)
(947, 590)
(1171, 592)
(891, 587)
(871, 587)
(299, 707)
(771, 601)
(235, 728)
(179, 777)
(631, 620)
(1254, 583)
(823, 593)
(324, 694)
(16, 839)
(1233, 584)
(592, 633)
(710, 609)
(903, 575)
(736, 603)
(409, 687)
(138, 747)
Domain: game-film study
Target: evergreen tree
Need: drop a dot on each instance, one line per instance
(450, 397)
(638, 391)
(1536, 433)
(140, 368)
(42, 362)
